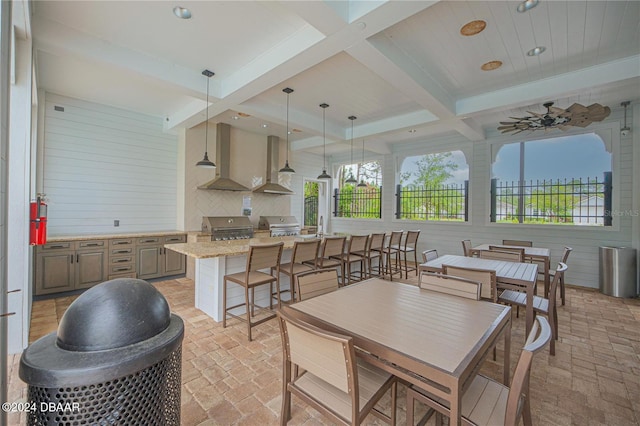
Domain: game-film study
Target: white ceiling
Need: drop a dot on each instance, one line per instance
(396, 65)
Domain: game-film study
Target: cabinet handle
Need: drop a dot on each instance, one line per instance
(150, 241)
(92, 245)
(72, 256)
(121, 251)
(118, 243)
(122, 260)
(14, 291)
(7, 314)
(57, 246)
(121, 269)
(77, 258)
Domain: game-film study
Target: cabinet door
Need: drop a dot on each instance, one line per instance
(174, 262)
(148, 262)
(54, 272)
(91, 268)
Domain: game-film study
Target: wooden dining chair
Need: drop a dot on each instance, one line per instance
(466, 248)
(303, 258)
(541, 305)
(259, 258)
(314, 283)
(519, 243)
(455, 286)
(392, 250)
(428, 255)
(332, 380)
(487, 402)
(565, 256)
(484, 276)
(331, 247)
(513, 255)
(355, 253)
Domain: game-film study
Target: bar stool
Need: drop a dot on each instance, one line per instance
(356, 252)
(259, 257)
(375, 251)
(303, 259)
(410, 245)
(393, 249)
(331, 247)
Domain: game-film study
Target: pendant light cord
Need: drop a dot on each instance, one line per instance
(206, 128)
(287, 129)
(324, 140)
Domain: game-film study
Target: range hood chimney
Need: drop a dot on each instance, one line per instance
(272, 186)
(222, 182)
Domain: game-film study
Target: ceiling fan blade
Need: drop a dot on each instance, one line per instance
(577, 109)
(556, 110)
(598, 113)
(581, 120)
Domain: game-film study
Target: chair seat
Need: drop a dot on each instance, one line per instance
(370, 380)
(540, 304)
(255, 278)
(484, 403)
(285, 268)
(349, 257)
(328, 263)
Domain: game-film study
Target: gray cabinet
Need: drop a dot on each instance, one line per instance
(174, 262)
(69, 265)
(154, 261)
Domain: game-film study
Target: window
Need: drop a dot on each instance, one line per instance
(565, 180)
(433, 187)
(364, 199)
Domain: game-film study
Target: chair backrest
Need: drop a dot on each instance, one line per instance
(394, 239)
(328, 356)
(538, 338)
(455, 286)
(484, 276)
(565, 254)
(520, 243)
(314, 283)
(333, 246)
(557, 277)
(466, 247)
(376, 242)
(428, 255)
(305, 251)
(358, 243)
(264, 256)
(507, 255)
(412, 239)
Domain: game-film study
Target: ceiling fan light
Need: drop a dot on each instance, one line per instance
(527, 5)
(538, 50)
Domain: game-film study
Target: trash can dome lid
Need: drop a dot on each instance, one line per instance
(114, 314)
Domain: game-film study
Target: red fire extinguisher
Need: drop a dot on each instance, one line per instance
(38, 227)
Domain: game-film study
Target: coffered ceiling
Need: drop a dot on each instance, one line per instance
(396, 65)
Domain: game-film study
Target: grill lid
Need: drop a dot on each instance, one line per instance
(270, 222)
(210, 224)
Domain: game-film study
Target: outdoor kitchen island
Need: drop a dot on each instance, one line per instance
(215, 259)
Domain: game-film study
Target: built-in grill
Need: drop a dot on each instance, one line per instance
(223, 228)
(280, 225)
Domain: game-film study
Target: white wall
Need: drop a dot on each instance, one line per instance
(103, 164)
(248, 167)
(446, 237)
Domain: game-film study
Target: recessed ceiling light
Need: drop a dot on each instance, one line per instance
(235, 117)
(182, 12)
(536, 51)
(265, 125)
(412, 130)
(491, 65)
(527, 5)
(473, 28)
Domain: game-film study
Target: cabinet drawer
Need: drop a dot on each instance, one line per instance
(125, 275)
(121, 260)
(60, 245)
(148, 241)
(91, 244)
(171, 239)
(120, 251)
(121, 242)
(122, 269)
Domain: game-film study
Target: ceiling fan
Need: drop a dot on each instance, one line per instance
(576, 115)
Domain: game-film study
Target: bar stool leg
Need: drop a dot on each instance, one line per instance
(249, 312)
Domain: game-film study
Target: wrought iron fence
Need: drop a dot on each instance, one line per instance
(437, 202)
(364, 203)
(579, 201)
(311, 211)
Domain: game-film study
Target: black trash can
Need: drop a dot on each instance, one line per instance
(115, 360)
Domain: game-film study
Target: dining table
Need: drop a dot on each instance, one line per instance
(531, 254)
(513, 275)
(432, 340)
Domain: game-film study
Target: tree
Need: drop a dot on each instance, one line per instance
(433, 170)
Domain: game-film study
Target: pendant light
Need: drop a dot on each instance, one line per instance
(351, 179)
(362, 184)
(205, 162)
(286, 169)
(324, 174)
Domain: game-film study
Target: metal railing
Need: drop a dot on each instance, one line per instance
(363, 203)
(311, 211)
(579, 201)
(438, 202)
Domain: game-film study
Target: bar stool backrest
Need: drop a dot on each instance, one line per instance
(394, 240)
(264, 257)
(333, 246)
(305, 251)
(376, 242)
(358, 243)
(412, 239)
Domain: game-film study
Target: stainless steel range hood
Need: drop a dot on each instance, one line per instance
(222, 182)
(272, 186)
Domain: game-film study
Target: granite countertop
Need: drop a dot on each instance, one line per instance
(59, 238)
(210, 249)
